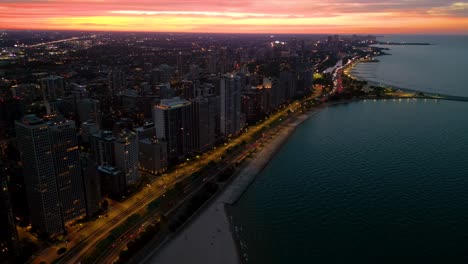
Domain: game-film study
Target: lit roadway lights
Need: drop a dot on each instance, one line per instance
(85, 240)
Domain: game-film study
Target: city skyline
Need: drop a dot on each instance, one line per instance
(243, 16)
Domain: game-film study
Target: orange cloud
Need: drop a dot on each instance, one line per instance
(249, 16)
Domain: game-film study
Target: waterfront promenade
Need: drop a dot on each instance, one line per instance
(208, 238)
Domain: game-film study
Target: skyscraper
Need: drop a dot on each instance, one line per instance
(64, 144)
(50, 156)
(89, 109)
(91, 182)
(88, 129)
(145, 131)
(126, 156)
(153, 152)
(277, 93)
(153, 155)
(173, 122)
(35, 147)
(211, 63)
(102, 147)
(121, 152)
(230, 112)
(117, 82)
(183, 62)
(288, 84)
(205, 111)
(165, 91)
(53, 87)
(112, 180)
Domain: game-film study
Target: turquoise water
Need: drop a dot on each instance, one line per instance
(367, 182)
(370, 182)
(439, 68)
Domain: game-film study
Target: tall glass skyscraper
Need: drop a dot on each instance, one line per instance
(51, 166)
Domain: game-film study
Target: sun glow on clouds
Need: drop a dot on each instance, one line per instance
(201, 13)
(249, 16)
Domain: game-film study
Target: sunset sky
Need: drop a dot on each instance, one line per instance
(246, 16)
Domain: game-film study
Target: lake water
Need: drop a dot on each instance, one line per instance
(440, 67)
(366, 182)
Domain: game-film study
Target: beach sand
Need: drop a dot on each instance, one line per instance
(207, 239)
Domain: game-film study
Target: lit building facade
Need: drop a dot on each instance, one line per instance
(64, 144)
(51, 166)
(126, 156)
(173, 123)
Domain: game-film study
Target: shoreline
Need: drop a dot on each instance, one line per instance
(249, 173)
(220, 219)
(209, 236)
(418, 93)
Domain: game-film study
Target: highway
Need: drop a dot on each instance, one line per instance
(111, 255)
(81, 242)
(57, 41)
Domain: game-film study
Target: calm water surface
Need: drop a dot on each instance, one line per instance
(372, 182)
(367, 182)
(440, 67)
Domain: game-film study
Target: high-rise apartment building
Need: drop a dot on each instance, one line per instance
(288, 84)
(145, 131)
(92, 183)
(102, 147)
(112, 180)
(230, 112)
(153, 155)
(126, 156)
(277, 93)
(39, 174)
(173, 123)
(211, 63)
(64, 145)
(88, 129)
(51, 166)
(53, 87)
(120, 151)
(117, 81)
(205, 112)
(89, 109)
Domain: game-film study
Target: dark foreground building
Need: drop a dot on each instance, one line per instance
(8, 234)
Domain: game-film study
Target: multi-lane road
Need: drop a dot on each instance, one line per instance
(83, 241)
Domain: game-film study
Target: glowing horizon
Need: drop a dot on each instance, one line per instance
(242, 16)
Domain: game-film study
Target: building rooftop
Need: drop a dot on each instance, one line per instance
(125, 136)
(150, 141)
(109, 170)
(89, 122)
(53, 77)
(59, 120)
(105, 135)
(32, 120)
(144, 127)
(172, 103)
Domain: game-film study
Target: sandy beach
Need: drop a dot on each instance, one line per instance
(207, 238)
